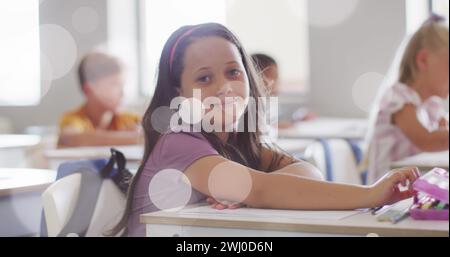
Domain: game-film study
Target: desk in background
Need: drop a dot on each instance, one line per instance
(292, 145)
(327, 128)
(20, 200)
(208, 223)
(13, 149)
(55, 157)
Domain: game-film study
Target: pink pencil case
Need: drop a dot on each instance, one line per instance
(431, 201)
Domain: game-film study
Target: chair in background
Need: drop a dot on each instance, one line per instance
(337, 159)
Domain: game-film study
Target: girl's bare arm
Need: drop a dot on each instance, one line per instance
(406, 120)
(278, 191)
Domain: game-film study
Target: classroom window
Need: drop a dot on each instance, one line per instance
(417, 11)
(249, 20)
(20, 54)
(441, 7)
(123, 43)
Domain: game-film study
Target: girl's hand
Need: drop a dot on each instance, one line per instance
(386, 191)
(221, 206)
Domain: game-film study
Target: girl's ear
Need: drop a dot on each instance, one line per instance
(422, 59)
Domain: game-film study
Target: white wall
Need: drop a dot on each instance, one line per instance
(365, 42)
(278, 28)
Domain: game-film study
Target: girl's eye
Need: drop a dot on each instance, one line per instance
(235, 73)
(204, 79)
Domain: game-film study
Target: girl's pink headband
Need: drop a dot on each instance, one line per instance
(174, 47)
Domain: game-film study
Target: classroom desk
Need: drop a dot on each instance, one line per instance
(55, 157)
(135, 153)
(20, 200)
(425, 161)
(13, 149)
(327, 128)
(362, 223)
(293, 145)
(8, 141)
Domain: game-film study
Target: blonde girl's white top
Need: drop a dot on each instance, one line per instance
(388, 143)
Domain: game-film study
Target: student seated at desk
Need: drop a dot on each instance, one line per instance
(268, 68)
(409, 116)
(231, 166)
(98, 121)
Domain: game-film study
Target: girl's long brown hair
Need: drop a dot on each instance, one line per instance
(242, 147)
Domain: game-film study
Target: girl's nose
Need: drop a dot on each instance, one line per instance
(225, 88)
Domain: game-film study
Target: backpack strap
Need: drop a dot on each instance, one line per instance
(81, 217)
(121, 176)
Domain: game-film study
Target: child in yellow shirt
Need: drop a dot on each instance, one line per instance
(98, 121)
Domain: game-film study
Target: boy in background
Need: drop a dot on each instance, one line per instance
(98, 121)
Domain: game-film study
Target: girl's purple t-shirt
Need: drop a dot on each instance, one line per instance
(173, 151)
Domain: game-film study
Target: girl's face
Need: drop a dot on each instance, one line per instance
(214, 66)
(436, 72)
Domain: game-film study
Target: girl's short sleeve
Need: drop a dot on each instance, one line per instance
(397, 97)
(180, 150)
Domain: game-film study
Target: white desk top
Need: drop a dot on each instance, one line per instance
(425, 161)
(18, 141)
(362, 223)
(13, 181)
(327, 128)
(132, 153)
(292, 145)
(136, 152)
